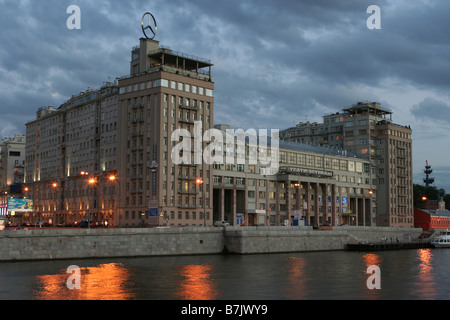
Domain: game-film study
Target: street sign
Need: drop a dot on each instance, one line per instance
(153, 212)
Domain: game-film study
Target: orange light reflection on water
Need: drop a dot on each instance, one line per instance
(297, 279)
(425, 257)
(425, 275)
(371, 259)
(102, 282)
(197, 283)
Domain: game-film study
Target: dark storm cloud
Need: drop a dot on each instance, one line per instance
(433, 110)
(276, 63)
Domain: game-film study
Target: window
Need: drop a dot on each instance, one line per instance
(335, 164)
(327, 163)
(301, 159)
(349, 124)
(283, 157)
(309, 160)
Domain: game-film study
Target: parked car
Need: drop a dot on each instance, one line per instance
(221, 223)
(83, 224)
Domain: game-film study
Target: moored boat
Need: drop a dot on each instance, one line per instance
(442, 240)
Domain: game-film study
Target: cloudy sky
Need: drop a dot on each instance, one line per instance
(276, 63)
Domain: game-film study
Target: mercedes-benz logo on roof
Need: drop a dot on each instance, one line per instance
(148, 22)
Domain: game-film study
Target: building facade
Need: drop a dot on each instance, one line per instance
(67, 147)
(312, 186)
(12, 160)
(166, 91)
(367, 129)
(432, 219)
(106, 155)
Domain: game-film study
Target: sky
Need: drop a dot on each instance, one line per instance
(276, 63)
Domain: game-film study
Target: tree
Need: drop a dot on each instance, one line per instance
(447, 201)
(431, 193)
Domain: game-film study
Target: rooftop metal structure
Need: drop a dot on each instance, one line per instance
(361, 108)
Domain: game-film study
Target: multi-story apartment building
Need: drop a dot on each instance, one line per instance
(124, 130)
(367, 130)
(12, 160)
(66, 147)
(313, 186)
(329, 133)
(166, 91)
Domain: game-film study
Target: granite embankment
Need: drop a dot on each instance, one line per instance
(44, 244)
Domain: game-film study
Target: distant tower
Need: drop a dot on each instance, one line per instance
(428, 180)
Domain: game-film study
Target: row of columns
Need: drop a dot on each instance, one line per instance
(320, 208)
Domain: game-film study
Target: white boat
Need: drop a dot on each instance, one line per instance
(442, 240)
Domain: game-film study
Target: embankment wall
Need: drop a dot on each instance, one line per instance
(45, 244)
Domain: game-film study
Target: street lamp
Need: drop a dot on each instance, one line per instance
(199, 182)
(297, 202)
(55, 187)
(113, 178)
(91, 181)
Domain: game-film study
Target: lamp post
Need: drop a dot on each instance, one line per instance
(199, 182)
(297, 201)
(113, 178)
(85, 173)
(92, 182)
(55, 187)
(26, 196)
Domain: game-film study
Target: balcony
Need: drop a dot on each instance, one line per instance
(186, 121)
(184, 177)
(137, 105)
(188, 192)
(188, 206)
(182, 106)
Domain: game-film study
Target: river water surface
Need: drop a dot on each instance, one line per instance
(404, 274)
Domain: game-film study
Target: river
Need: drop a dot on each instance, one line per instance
(404, 274)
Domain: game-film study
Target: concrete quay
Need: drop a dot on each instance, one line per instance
(49, 244)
